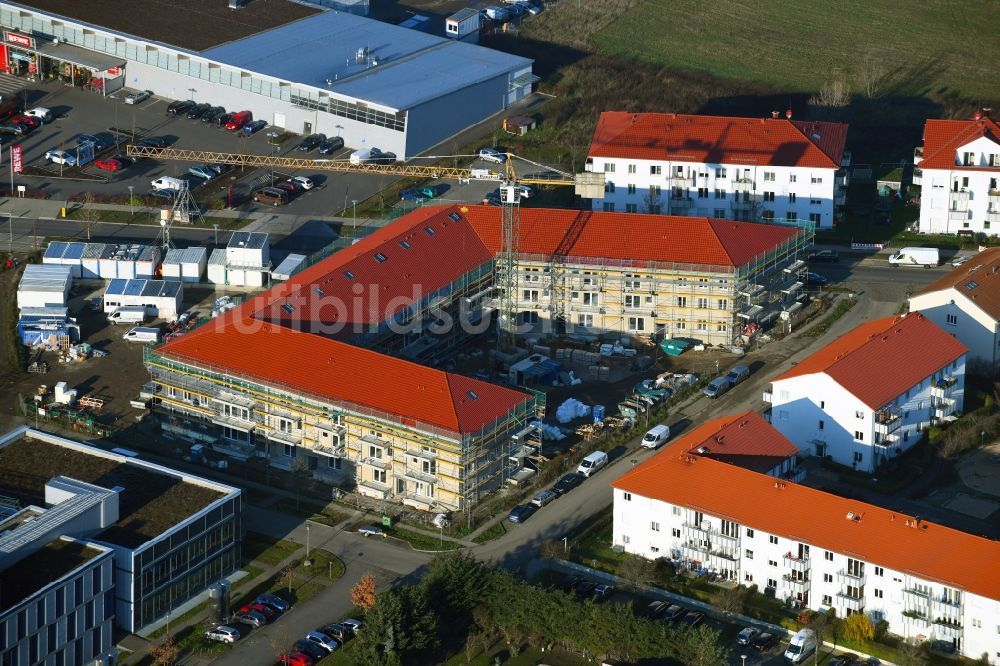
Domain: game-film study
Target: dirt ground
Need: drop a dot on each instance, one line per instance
(116, 378)
(980, 470)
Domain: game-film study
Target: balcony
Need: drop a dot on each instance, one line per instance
(374, 489)
(417, 475)
(796, 563)
(943, 408)
(845, 577)
(768, 396)
(710, 556)
(958, 215)
(680, 203)
(418, 501)
(421, 453)
(945, 606)
(958, 200)
(943, 387)
(330, 451)
(916, 618)
(680, 180)
(849, 603)
(742, 184)
(740, 204)
(947, 628)
(234, 423)
(797, 584)
(705, 529)
(281, 437)
(918, 155)
(888, 419)
(993, 215)
(377, 463)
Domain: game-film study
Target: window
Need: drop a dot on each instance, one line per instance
(815, 218)
(791, 197)
(626, 539)
(878, 593)
(637, 324)
(631, 208)
(333, 463)
(609, 186)
(768, 176)
(609, 167)
(822, 424)
(828, 556)
(858, 456)
(289, 451)
(772, 539)
(791, 216)
(720, 194)
(792, 178)
(654, 190)
(702, 302)
(530, 295)
(719, 213)
(748, 578)
(879, 571)
(827, 578)
(631, 188)
(627, 497)
(951, 320)
(608, 207)
(655, 170)
(677, 511)
(591, 298)
(654, 526)
(827, 600)
(681, 301)
(768, 196)
(654, 549)
(771, 582)
(720, 172)
(631, 168)
(749, 533)
(816, 180)
(676, 533)
(378, 475)
(633, 301)
(748, 554)
(702, 192)
(858, 435)
(586, 320)
(772, 563)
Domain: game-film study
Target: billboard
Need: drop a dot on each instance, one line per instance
(17, 158)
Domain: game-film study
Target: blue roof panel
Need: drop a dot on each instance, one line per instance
(55, 250)
(74, 250)
(134, 287)
(116, 287)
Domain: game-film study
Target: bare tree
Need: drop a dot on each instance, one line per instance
(873, 73)
(911, 654)
(287, 577)
(833, 94)
(636, 571)
(731, 599)
(88, 214)
(651, 203)
(551, 549)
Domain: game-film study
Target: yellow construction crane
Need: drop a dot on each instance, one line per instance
(587, 185)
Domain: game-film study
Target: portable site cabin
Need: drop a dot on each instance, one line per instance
(161, 298)
(288, 267)
(129, 260)
(464, 25)
(43, 326)
(44, 285)
(519, 125)
(216, 268)
(187, 265)
(248, 259)
(90, 262)
(147, 262)
(64, 254)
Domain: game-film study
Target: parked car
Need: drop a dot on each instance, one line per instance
(254, 127)
(312, 142)
(198, 110)
(567, 483)
(238, 120)
(212, 114)
(314, 650)
(44, 115)
(338, 632)
(356, 626)
(302, 181)
(544, 497)
(296, 659)
(492, 155)
(17, 129)
(223, 634)
(288, 187)
(746, 635)
(25, 119)
(764, 641)
(271, 195)
(371, 530)
(381, 157)
(569, 583)
(674, 613)
(60, 157)
(413, 194)
(521, 513)
(322, 640)
(99, 144)
(824, 256)
(655, 609)
(717, 387)
(585, 588)
(137, 96)
(657, 435)
(125, 159)
(816, 280)
(162, 194)
(331, 145)
(269, 613)
(253, 618)
(694, 618)
(222, 121)
(203, 171)
(179, 107)
(847, 659)
(152, 142)
(737, 374)
(271, 600)
(603, 592)
(109, 164)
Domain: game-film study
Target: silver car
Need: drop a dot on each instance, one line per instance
(223, 634)
(717, 387)
(543, 498)
(137, 96)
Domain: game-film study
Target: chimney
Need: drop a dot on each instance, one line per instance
(788, 114)
(977, 116)
(774, 114)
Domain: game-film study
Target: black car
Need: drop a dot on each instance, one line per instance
(568, 483)
(198, 110)
(381, 157)
(152, 142)
(655, 609)
(338, 632)
(125, 159)
(674, 613)
(844, 660)
(309, 649)
(694, 618)
(521, 513)
(331, 145)
(312, 142)
(16, 129)
(222, 119)
(825, 256)
(746, 636)
(816, 280)
(569, 583)
(764, 641)
(213, 113)
(586, 588)
(179, 107)
(603, 592)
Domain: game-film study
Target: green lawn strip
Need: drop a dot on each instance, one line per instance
(80, 213)
(419, 541)
(251, 573)
(328, 515)
(180, 619)
(264, 549)
(495, 531)
(839, 310)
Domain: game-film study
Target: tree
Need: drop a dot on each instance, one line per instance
(287, 577)
(731, 599)
(551, 549)
(88, 214)
(821, 624)
(363, 593)
(911, 654)
(833, 94)
(637, 571)
(164, 653)
(702, 646)
(858, 627)
(651, 203)
(873, 72)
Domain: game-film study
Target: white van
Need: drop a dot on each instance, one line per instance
(144, 335)
(168, 183)
(916, 256)
(592, 463)
(801, 646)
(363, 155)
(130, 314)
(656, 436)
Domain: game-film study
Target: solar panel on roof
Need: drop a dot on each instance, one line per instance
(73, 251)
(971, 285)
(134, 287)
(116, 287)
(455, 217)
(55, 250)
(149, 288)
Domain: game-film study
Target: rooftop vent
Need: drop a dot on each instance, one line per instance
(472, 395)
(349, 275)
(380, 258)
(703, 450)
(430, 232)
(405, 245)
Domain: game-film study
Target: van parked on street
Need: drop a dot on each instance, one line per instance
(801, 646)
(592, 463)
(656, 436)
(168, 183)
(737, 374)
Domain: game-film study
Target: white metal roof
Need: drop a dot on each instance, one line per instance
(46, 277)
(288, 267)
(248, 240)
(218, 257)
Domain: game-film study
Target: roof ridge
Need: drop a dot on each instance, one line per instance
(808, 137)
(715, 232)
(976, 125)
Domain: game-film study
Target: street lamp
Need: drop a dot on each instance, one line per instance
(131, 201)
(192, 91)
(307, 540)
(216, 227)
(744, 658)
(354, 228)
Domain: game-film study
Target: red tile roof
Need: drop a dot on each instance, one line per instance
(820, 519)
(746, 440)
(881, 359)
(719, 140)
(633, 237)
(943, 138)
(978, 280)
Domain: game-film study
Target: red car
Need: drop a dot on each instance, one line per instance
(109, 164)
(263, 609)
(30, 121)
(239, 120)
(296, 659)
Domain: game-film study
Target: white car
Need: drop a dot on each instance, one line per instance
(492, 155)
(322, 640)
(60, 157)
(137, 96)
(960, 260)
(306, 183)
(223, 634)
(40, 112)
(525, 191)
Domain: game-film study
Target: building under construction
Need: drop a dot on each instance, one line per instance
(326, 372)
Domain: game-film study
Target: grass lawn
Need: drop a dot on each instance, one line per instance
(419, 541)
(328, 515)
(495, 531)
(788, 44)
(252, 572)
(80, 214)
(264, 549)
(323, 565)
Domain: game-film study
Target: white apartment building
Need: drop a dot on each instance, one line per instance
(966, 304)
(810, 548)
(869, 395)
(711, 166)
(958, 169)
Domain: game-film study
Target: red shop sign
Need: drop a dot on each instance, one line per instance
(19, 40)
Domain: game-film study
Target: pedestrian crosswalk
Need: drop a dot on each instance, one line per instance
(12, 85)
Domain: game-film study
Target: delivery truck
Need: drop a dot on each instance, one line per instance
(916, 256)
(129, 314)
(142, 334)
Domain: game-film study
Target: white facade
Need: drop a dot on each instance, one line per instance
(974, 327)
(965, 198)
(816, 577)
(728, 191)
(161, 298)
(823, 418)
(44, 285)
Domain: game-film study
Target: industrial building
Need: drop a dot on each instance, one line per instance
(186, 265)
(368, 414)
(44, 286)
(725, 497)
(105, 261)
(371, 83)
(161, 298)
(244, 262)
(723, 167)
(89, 537)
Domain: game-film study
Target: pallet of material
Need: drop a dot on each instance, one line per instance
(93, 403)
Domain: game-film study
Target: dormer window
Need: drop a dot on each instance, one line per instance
(968, 159)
